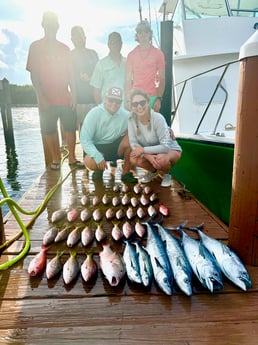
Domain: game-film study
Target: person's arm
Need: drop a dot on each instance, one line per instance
(160, 90)
(97, 95)
(86, 135)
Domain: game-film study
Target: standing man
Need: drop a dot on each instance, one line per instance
(109, 71)
(145, 67)
(49, 65)
(104, 136)
(83, 61)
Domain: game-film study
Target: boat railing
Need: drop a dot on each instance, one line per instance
(218, 86)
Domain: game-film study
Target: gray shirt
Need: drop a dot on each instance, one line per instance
(155, 140)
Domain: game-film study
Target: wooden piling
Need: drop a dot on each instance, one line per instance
(5, 103)
(243, 228)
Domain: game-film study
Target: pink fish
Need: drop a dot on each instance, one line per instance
(38, 263)
(112, 265)
(89, 267)
(72, 215)
(163, 210)
(139, 229)
(71, 268)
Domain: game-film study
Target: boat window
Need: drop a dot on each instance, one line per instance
(203, 88)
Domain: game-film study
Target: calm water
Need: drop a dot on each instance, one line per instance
(20, 168)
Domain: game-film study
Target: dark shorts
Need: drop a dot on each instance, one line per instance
(109, 151)
(49, 117)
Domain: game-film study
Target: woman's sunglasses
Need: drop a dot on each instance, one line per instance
(141, 103)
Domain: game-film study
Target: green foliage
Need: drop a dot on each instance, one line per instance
(23, 95)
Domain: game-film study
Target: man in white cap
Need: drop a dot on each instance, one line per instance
(104, 136)
(49, 64)
(145, 67)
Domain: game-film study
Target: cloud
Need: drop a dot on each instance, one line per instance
(20, 24)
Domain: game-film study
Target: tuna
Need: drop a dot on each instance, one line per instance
(202, 262)
(131, 259)
(146, 271)
(180, 266)
(159, 260)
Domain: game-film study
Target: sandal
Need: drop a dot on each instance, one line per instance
(77, 165)
(55, 166)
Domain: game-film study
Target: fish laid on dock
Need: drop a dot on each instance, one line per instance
(159, 260)
(145, 266)
(89, 267)
(71, 268)
(112, 265)
(54, 266)
(203, 264)
(180, 266)
(229, 263)
(38, 263)
(131, 260)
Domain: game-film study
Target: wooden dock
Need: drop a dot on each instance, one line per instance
(35, 310)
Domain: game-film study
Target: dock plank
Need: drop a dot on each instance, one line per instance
(34, 310)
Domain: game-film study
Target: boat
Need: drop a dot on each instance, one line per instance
(206, 41)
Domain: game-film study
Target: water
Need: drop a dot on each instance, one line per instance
(19, 168)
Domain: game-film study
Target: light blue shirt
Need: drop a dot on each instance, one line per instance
(101, 127)
(108, 73)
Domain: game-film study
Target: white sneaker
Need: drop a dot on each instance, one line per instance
(166, 180)
(148, 177)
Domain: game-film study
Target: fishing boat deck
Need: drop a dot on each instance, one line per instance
(35, 310)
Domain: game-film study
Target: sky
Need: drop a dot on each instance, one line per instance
(20, 24)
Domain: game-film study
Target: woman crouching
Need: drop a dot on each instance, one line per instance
(154, 147)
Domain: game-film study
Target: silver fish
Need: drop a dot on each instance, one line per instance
(144, 265)
(159, 260)
(71, 268)
(100, 234)
(139, 229)
(89, 267)
(49, 236)
(125, 199)
(141, 213)
(229, 262)
(87, 236)
(97, 215)
(116, 200)
(112, 265)
(85, 215)
(96, 200)
(130, 213)
(128, 229)
(110, 213)
(131, 259)
(105, 199)
(73, 237)
(58, 215)
(181, 269)
(85, 200)
(134, 201)
(54, 266)
(202, 262)
(116, 232)
(62, 234)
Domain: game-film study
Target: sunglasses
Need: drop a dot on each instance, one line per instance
(114, 100)
(141, 103)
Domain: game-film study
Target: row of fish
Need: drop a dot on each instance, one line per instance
(164, 258)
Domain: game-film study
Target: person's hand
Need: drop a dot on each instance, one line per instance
(102, 165)
(157, 105)
(137, 151)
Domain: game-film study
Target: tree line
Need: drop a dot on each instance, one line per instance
(22, 95)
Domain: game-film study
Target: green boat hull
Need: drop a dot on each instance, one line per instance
(205, 169)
